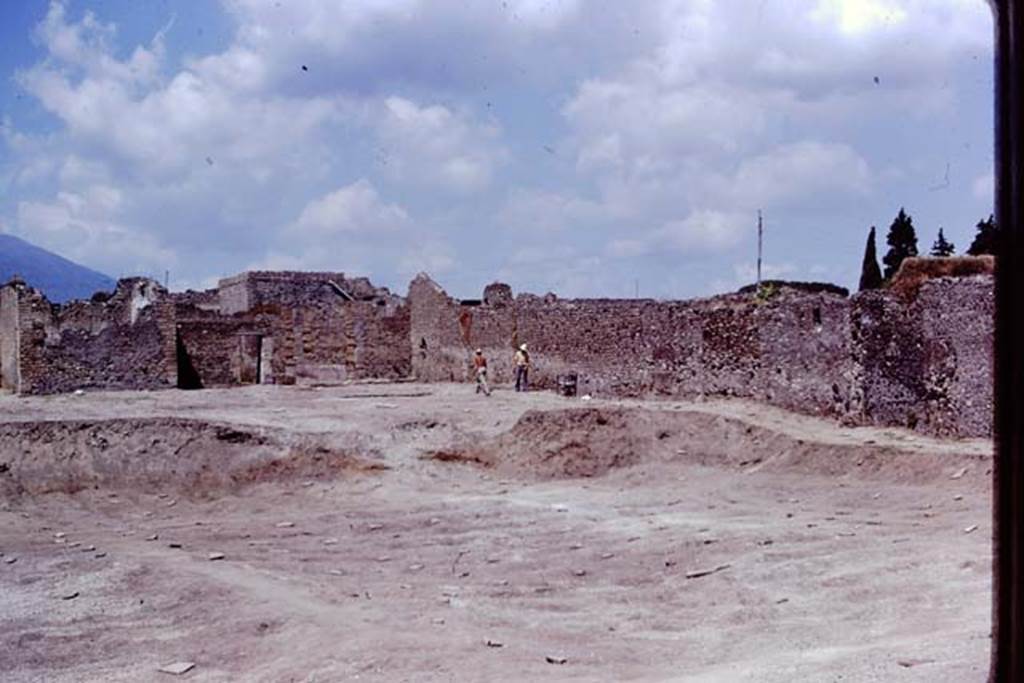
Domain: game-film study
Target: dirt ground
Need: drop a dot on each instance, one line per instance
(404, 532)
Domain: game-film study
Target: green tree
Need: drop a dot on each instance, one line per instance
(942, 247)
(902, 241)
(985, 239)
(870, 273)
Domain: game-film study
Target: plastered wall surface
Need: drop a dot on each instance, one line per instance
(9, 339)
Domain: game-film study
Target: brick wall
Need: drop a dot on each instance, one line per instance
(325, 327)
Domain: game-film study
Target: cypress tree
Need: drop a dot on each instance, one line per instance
(902, 241)
(870, 273)
(942, 247)
(986, 238)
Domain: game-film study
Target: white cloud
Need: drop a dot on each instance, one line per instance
(702, 231)
(354, 210)
(447, 44)
(859, 16)
(673, 121)
(637, 125)
(88, 227)
(88, 46)
(163, 128)
(430, 255)
(538, 211)
(569, 271)
(800, 172)
(351, 229)
(432, 145)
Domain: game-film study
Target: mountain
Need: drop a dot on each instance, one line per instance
(58, 278)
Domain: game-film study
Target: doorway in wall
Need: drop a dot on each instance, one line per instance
(188, 376)
(250, 352)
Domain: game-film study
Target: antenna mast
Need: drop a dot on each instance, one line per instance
(760, 231)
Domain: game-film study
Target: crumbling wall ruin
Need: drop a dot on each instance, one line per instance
(791, 350)
(916, 356)
(210, 353)
(258, 327)
(876, 358)
(925, 358)
(321, 327)
(10, 339)
(111, 341)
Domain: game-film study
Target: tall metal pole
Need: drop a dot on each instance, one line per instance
(760, 231)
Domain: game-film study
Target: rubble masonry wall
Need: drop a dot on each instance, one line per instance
(875, 358)
(120, 342)
(792, 350)
(919, 357)
(926, 362)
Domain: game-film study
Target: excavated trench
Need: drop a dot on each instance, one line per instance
(248, 531)
(204, 458)
(195, 457)
(590, 442)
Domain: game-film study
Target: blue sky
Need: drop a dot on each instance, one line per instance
(572, 146)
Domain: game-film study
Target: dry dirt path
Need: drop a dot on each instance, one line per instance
(820, 569)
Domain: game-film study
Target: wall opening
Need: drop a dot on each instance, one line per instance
(250, 354)
(266, 368)
(188, 376)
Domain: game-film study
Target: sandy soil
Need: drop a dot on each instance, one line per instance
(418, 533)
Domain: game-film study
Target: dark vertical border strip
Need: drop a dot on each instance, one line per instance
(1008, 471)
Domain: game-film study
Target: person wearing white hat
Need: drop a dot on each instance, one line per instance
(522, 368)
(480, 367)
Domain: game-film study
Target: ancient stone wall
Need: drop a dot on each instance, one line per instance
(877, 358)
(791, 350)
(916, 356)
(381, 337)
(958, 322)
(109, 342)
(312, 344)
(339, 341)
(293, 289)
(10, 339)
(234, 294)
(288, 327)
(205, 300)
(213, 350)
(322, 327)
(925, 361)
